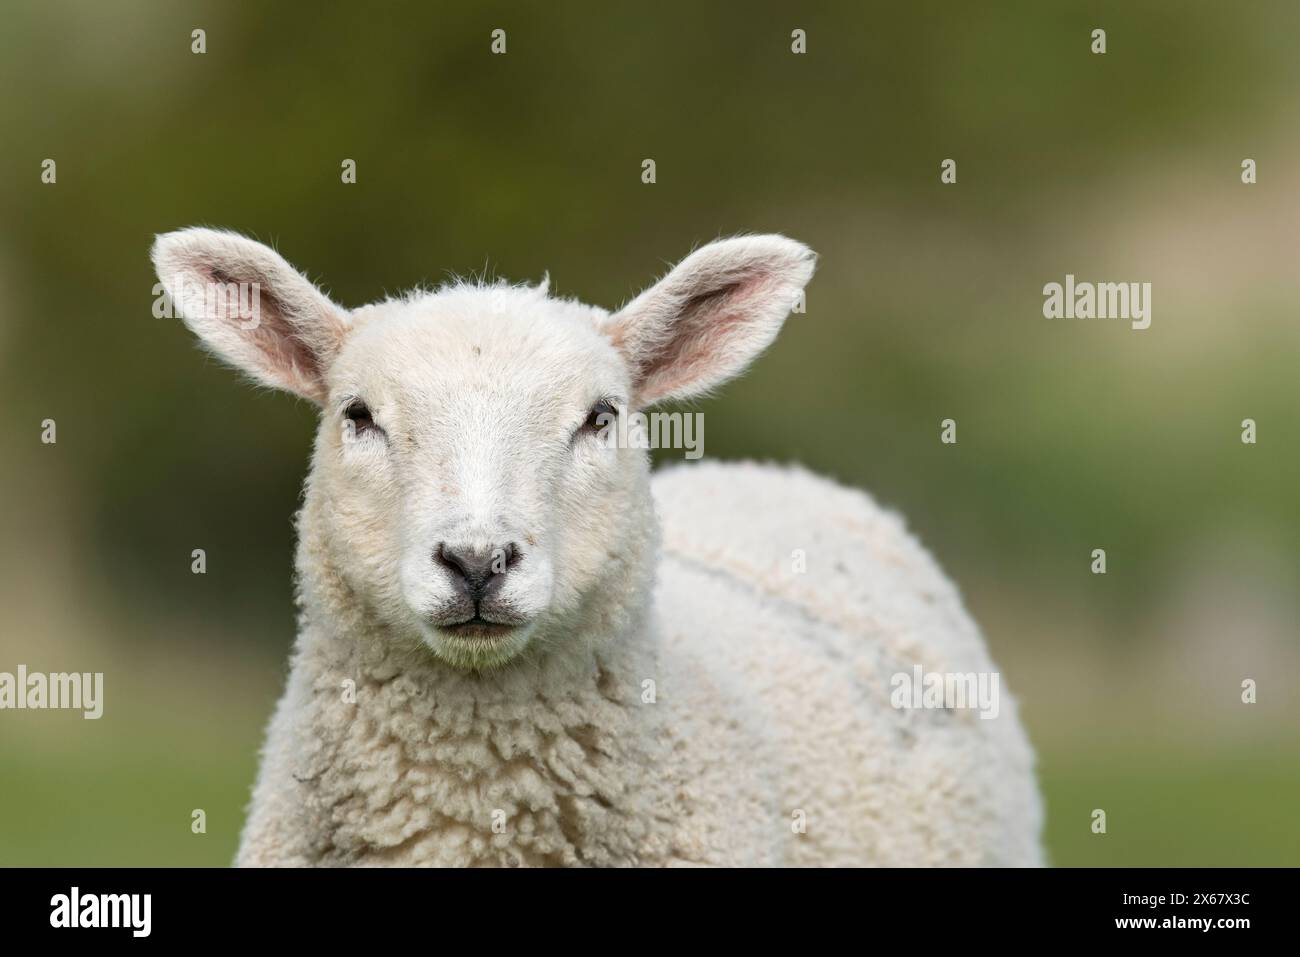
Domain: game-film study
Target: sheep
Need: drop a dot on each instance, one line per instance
(504, 659)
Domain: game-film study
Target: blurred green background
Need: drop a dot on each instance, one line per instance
(927, 305)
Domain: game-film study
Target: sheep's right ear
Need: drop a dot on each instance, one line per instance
(251, 307)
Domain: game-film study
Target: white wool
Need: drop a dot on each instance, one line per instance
(663, 691)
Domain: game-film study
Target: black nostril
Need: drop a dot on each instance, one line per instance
(453, 559)
(477, 571)
(504, 558)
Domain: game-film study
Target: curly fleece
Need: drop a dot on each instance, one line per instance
(741, 719)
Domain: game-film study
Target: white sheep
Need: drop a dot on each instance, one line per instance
(486, 671)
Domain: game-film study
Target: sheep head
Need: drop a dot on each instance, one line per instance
(466, 484)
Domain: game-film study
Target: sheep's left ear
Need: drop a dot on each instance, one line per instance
(252, 308)
(711, 316)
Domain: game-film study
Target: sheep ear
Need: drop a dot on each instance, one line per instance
(711, 316)
(251, 307)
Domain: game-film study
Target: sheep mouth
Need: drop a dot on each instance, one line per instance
(478, 627)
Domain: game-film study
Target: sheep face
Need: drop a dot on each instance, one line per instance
(460, 454)
(465, 488)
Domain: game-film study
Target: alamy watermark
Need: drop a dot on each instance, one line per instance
(74, 909)
(1102, 300)
(946, 689)
(216, 300)
(37, 691)
(652, 430)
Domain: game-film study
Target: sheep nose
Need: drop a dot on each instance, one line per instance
(477, 571)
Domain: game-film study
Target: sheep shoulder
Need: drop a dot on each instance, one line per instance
(786, 605)
(805, 546)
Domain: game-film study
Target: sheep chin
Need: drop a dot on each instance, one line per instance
(477, 648)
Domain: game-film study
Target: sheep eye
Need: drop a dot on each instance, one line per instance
(600, 416)
(358, 413)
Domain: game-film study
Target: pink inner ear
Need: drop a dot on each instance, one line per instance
(274, 335)
(713, 337)
(251, 308)
(280, 345)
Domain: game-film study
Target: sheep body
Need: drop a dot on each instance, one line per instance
(807, 660)
(744, 719)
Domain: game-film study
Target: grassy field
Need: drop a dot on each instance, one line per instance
(1207, 809)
